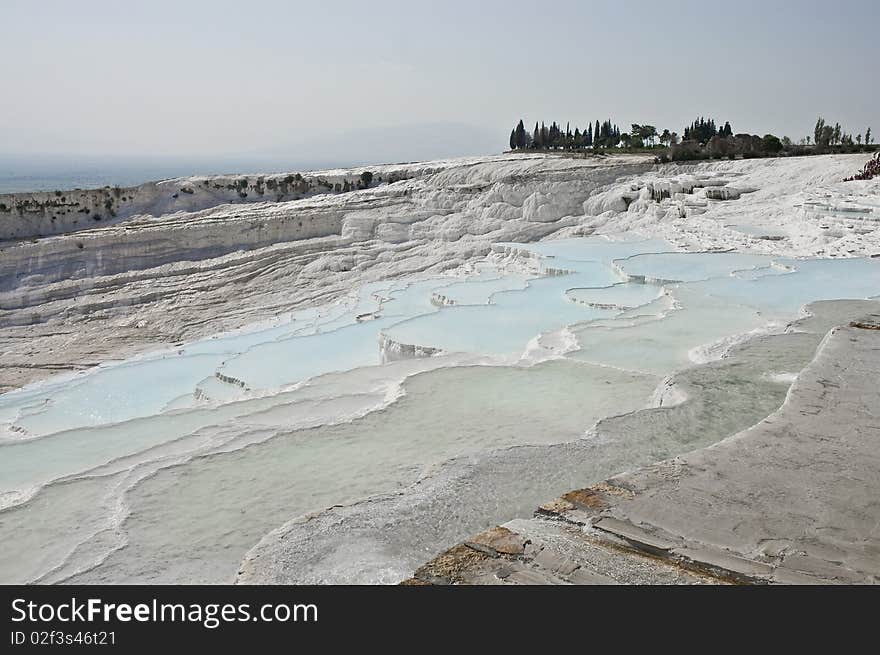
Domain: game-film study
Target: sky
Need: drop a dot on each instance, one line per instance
(394, 80)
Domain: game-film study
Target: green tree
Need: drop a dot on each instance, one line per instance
(520, 135)
(701, 130)
(771, 144)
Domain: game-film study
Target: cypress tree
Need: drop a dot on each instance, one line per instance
(817, 131)
(520, 135)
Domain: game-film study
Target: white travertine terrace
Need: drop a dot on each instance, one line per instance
(271, 358)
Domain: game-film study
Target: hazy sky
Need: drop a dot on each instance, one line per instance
(217, 78)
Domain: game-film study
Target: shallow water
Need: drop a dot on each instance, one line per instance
(170, 466)
(624, 295)
(446, 413)
(385, 540)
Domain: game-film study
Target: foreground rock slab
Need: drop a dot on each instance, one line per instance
(792, 500)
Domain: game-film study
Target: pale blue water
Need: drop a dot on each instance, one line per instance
(624, 295)
(691, 267)
(495, 314)
(592, 249)
(130, 418)
(119, 393)
(816, 279)
(481, 291)
(515, 317)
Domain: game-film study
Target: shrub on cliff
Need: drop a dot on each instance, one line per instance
(870, 171)
(686, 151)
(771, 144)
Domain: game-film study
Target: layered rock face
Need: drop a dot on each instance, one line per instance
(201, 436)
(46, 213)
(75, 299)
(194, 256)
(767, 505)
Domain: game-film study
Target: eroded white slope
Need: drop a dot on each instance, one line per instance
(796, 207)
(114, 295)
(74, 300)
(71, 301)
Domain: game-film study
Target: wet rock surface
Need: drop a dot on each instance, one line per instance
(390, 536)
(791, 500)
(165, 272)
(198, 455)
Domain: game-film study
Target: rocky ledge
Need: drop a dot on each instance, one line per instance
(791, 500)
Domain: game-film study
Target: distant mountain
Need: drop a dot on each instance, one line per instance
(390, 145)
(35, 172)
